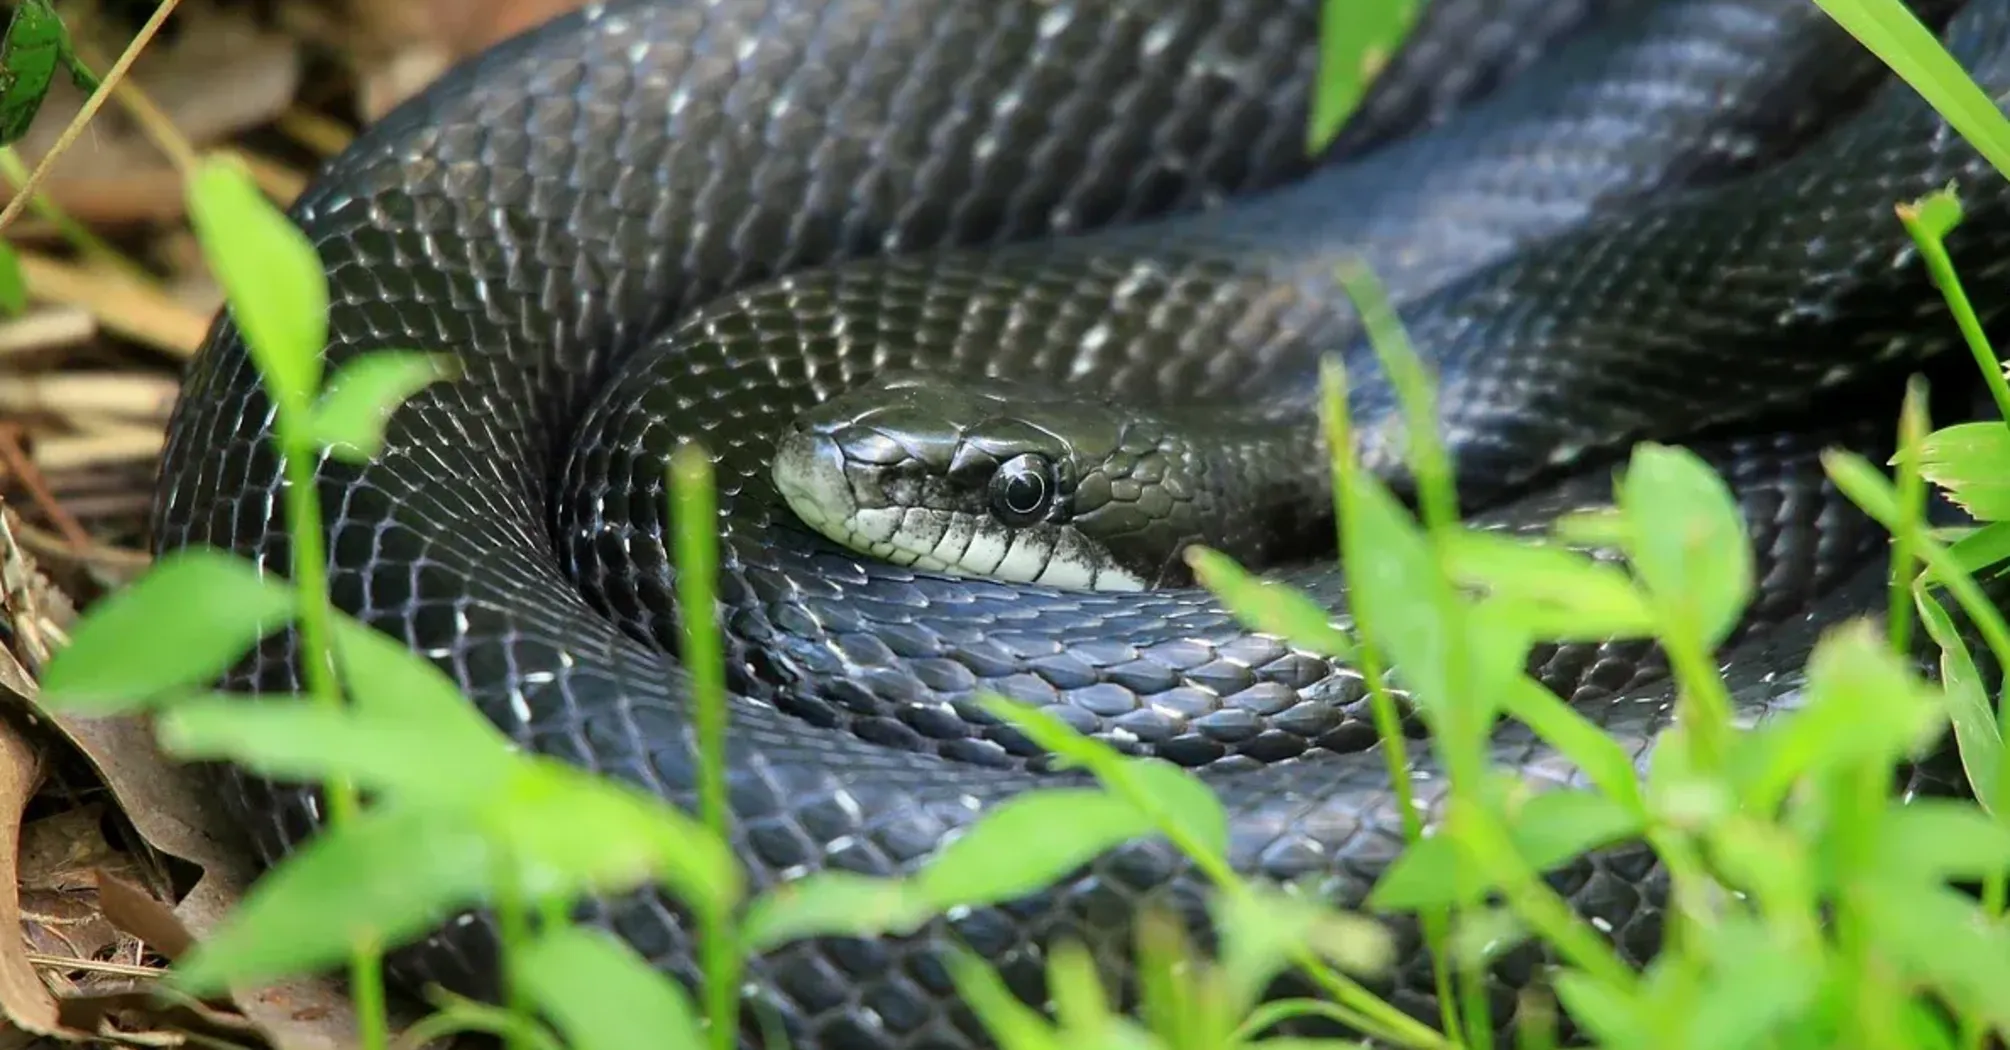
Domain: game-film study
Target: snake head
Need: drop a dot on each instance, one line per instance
(988, 477)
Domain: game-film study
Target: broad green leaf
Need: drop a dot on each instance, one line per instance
(1176, 800)
(1943, 938)
(271, 278)
(180, 626)
(1355, 41)
(13, 284)
(296, 739)
(1938, 839)
(1604, 528)
(1268, 605)
(1262, 930)
(576, 833)
(833, 903)
(1756, 984)
(1290, 1042)
(1604, 762)
(35, 47)
(1609, 1014)
(1967, 461)
(1983, 548)
(1481, 935)
(1026, 844)
(1180, 799)
(1679, 793)
(384, 878)
(1396, 591)
(1767, 862)
(1553, 826)
(1549, 828)
(603, 996)
(1926, 1025)
(1563, 594)
(1933, 216)
(1689, 542)
(1864, 486)
(1081, 1003)
(349, 418)
(1979, 738)
(1174, 995)
(1013, 1024)
(389, 683)
(1862, 705)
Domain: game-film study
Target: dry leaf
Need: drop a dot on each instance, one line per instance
(25, 1001)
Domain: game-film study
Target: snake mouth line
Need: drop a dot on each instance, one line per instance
(810, 473)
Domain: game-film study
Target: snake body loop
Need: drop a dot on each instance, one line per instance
(651, 221)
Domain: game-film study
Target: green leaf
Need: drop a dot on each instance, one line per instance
(1396, 590)
(1081, 1003)
(1979, 739)
(1936, 839)
(1026, 844)
(1355, 42)
(1864, 486)
(1262, 930)
(296, 739)
(1549, 828)
(1967, 460)
(1863, 705)
(182, 625)
(1756, 985)
(1614, 1017)
(1178, 802)
(35, 45)
(389, 683)
(1983, 548)
(1013, 1024)
(1554, 826)
(13, 284)
(1603, 528)
(833, 903)
(384, 878)
(576, 833)
(1766, 861)
(1938, 936)
(601, 995)
(1269, 606)
(1484, 934)
(349, 419)
(1564, 595)
(1604, 762)
(1689, 542)
(270, 275)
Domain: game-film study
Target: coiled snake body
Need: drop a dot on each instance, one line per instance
(1604, 220)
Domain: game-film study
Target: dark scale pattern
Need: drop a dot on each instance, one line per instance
(558, 211)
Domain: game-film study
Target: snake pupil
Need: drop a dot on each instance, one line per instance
(1021, 491)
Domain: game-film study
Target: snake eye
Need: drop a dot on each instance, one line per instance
(1023, 489)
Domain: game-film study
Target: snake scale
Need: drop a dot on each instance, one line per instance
(652, 220)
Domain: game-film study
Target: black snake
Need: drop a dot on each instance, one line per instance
(657, 219)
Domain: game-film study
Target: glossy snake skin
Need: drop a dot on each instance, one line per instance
(1602, 219)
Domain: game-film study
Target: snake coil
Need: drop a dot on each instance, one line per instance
(649, 221)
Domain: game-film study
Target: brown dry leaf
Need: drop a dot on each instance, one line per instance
(60, 856)
(24, 999)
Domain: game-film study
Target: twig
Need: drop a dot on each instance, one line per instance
(24, 470)
(77, 123)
